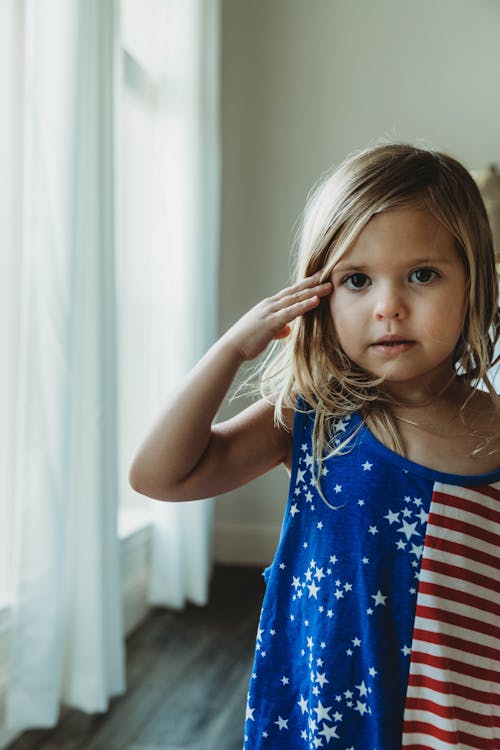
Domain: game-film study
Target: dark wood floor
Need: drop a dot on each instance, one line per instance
(187, 679)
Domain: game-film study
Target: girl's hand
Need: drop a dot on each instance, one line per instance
(271, 318)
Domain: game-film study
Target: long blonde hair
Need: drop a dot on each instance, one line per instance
(310, 362)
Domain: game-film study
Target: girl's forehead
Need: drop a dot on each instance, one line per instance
(399, 234)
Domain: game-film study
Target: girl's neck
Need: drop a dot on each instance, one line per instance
(442, 385)
(454, 431)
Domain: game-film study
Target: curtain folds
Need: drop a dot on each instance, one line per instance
(67, 644)
(184, 263)
(67, 635)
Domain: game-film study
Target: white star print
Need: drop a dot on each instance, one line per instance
(408, 529)
(367, 466)
(363, 690)
(322, 711)
(361, 707)
(379, 598)
(422, 516)
(406, 650)
(294, 510)
(303, 704)
(313, 590)
(282, 723)
(392, 517)
(373, 530)
(418, 551)
(249, 713)
(321, 678)
(329, 733)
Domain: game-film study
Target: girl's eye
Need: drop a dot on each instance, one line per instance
(423, 275)
(357, 281)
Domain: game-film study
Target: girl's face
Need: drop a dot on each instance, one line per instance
(399, 300)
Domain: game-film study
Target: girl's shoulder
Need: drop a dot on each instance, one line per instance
(460, 435)
(483, 412)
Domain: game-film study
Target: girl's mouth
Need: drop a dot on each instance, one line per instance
(393, 345)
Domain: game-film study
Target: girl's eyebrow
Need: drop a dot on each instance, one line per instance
(424, 261)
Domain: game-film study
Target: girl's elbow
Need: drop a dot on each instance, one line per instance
(144, 486)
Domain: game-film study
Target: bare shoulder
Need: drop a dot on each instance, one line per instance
(483, 411)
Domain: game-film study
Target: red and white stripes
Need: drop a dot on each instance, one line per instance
(453, 697)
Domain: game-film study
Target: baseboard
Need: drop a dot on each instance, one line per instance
(136, 554)
(245, 544)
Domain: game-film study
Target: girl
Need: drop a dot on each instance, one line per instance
(380, 623)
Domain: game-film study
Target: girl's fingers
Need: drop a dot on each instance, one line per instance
(306, 283)
(300, 295)
(288, 313)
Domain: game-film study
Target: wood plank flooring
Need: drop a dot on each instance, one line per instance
(187, 679)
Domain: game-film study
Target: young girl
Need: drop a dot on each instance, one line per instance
(380, 624)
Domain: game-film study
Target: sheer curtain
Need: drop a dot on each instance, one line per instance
(168, 292)
(185, 275)
(68, 630)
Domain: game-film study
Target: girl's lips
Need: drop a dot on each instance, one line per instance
(393, 346)
(393, 342)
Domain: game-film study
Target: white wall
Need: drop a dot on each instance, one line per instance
(303, 83)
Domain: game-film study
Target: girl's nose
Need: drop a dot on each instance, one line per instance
(390, 305)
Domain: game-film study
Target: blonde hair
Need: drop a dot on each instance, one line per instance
(310, 363)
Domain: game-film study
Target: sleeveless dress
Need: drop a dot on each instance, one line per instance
(380, 625)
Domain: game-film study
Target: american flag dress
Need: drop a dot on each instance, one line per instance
(380, 625)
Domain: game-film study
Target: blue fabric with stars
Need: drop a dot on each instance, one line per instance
(334, 639)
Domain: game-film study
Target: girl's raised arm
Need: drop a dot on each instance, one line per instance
(184, 456)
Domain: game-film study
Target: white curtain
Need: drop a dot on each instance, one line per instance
(183, 301)
(67, 644)
(67, 630)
